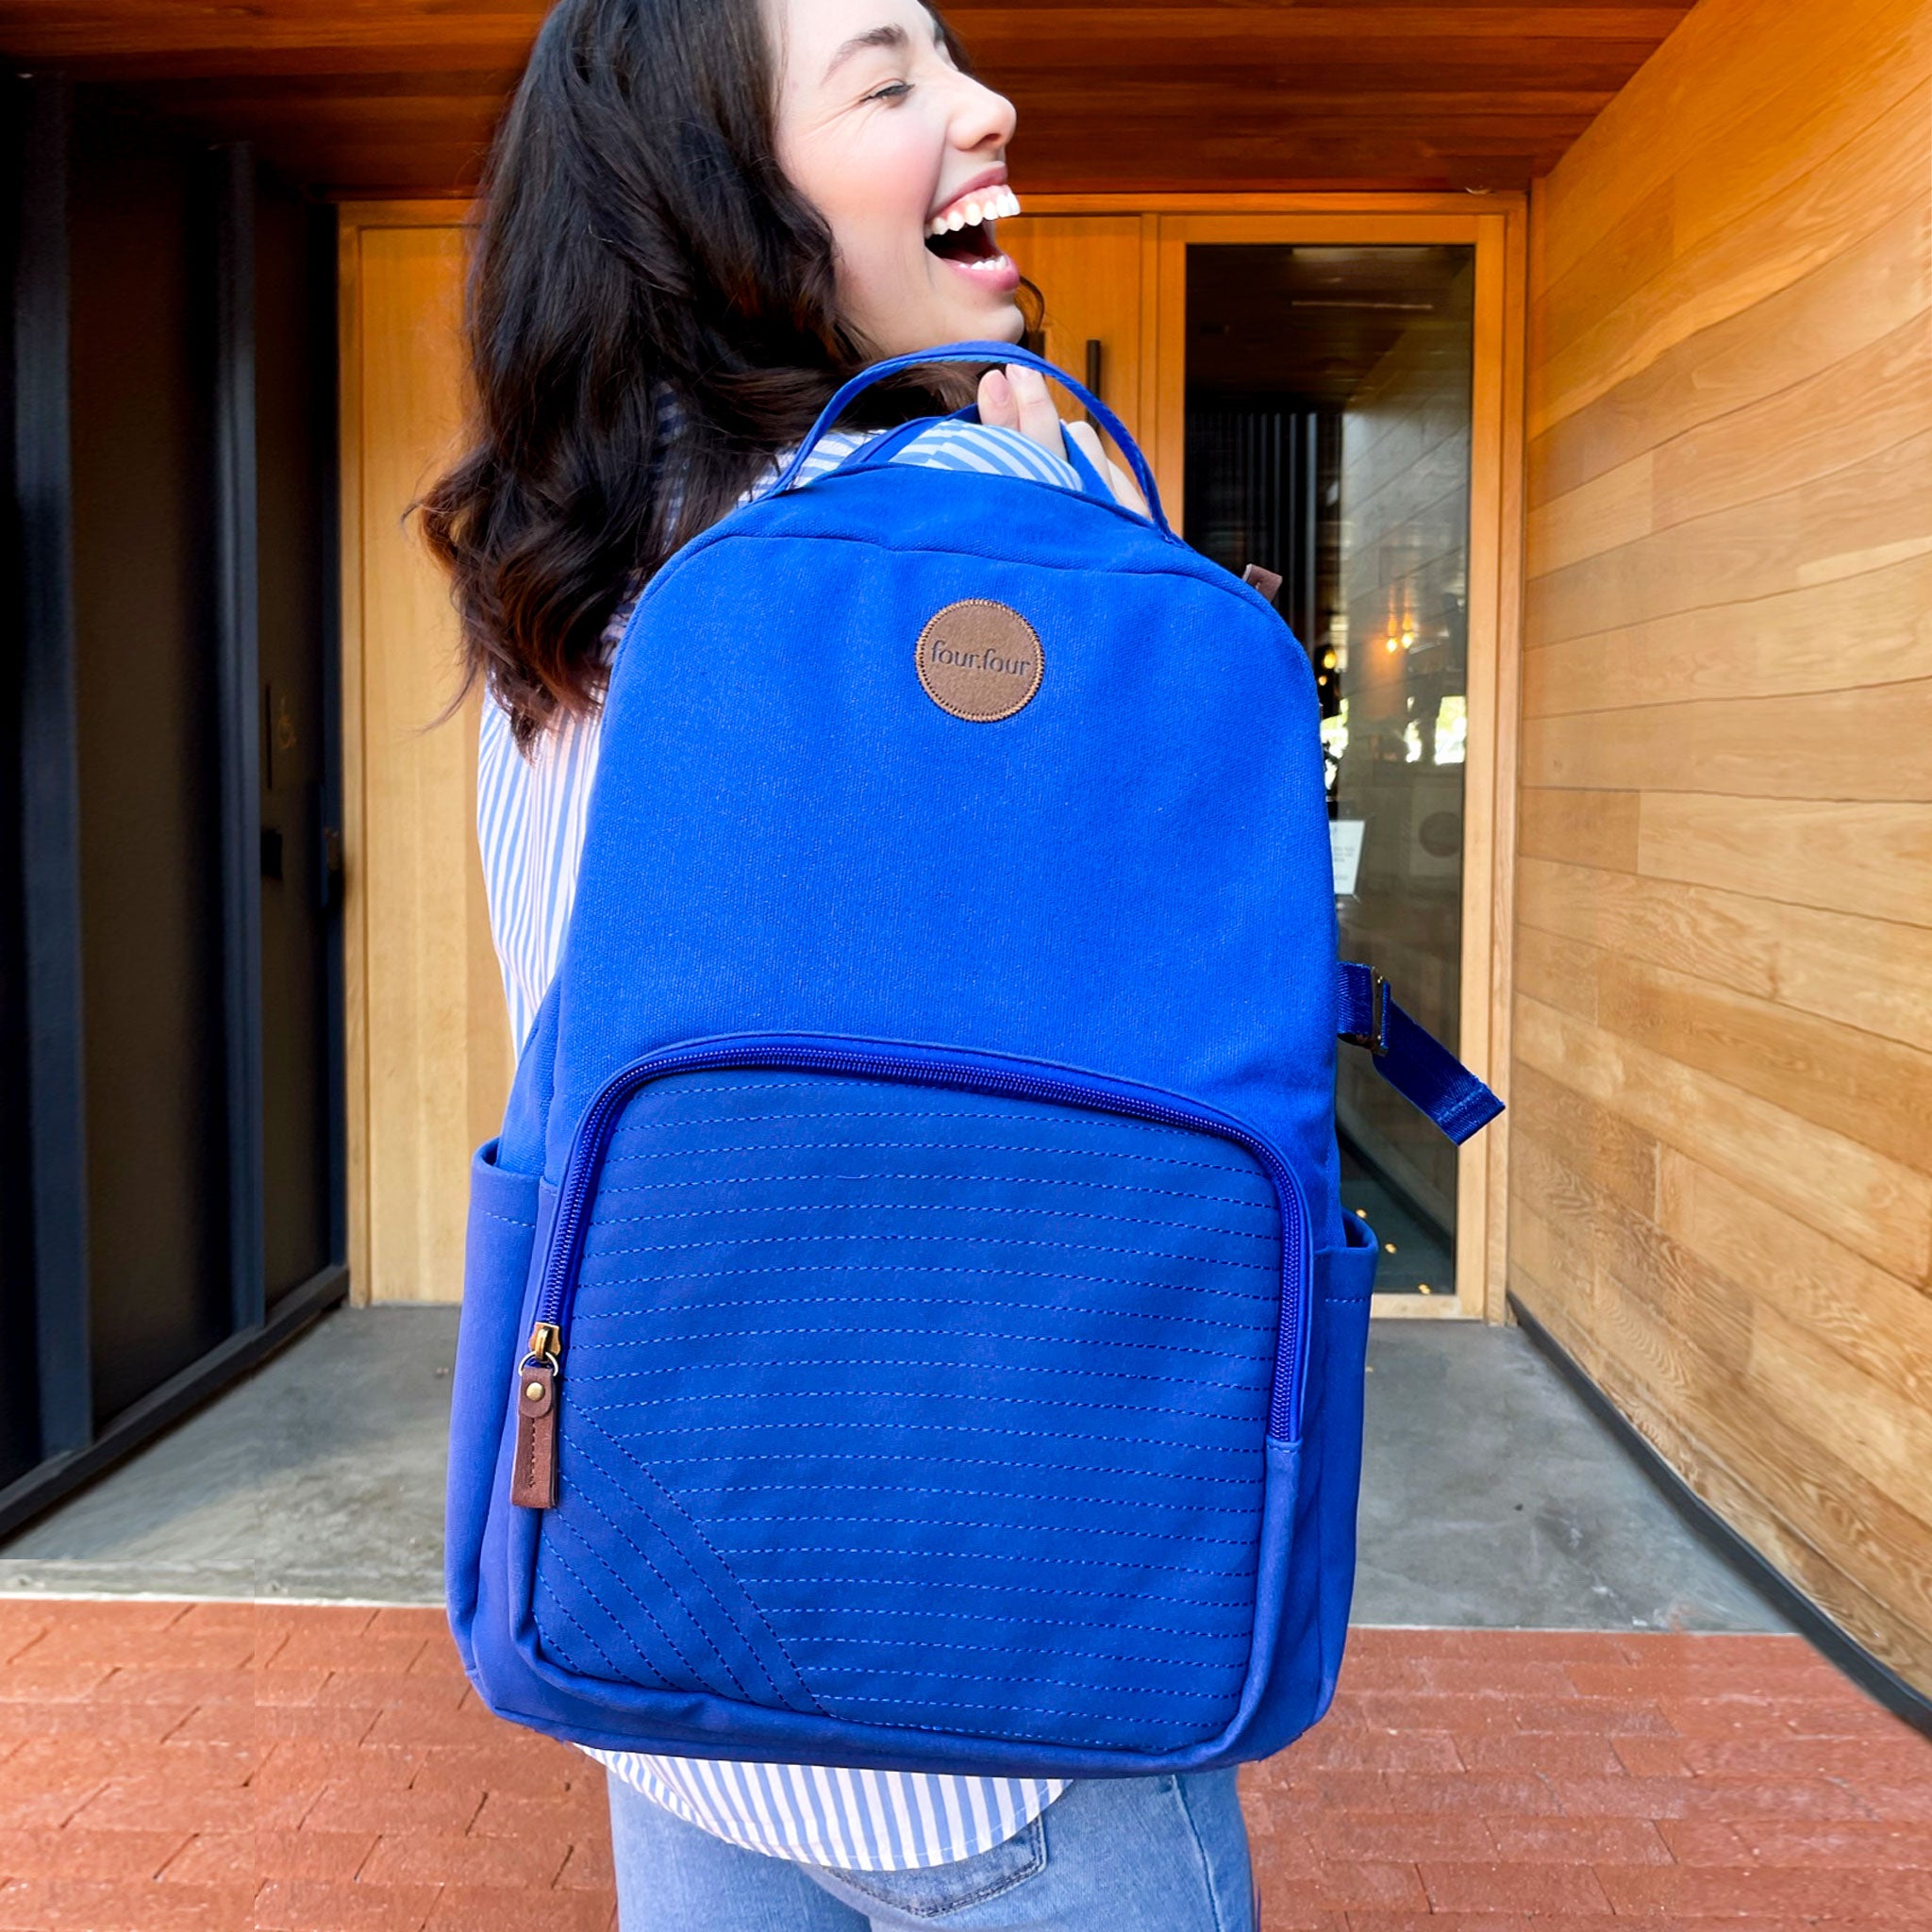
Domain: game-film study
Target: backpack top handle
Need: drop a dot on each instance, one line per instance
(984, 352)
(884, 450)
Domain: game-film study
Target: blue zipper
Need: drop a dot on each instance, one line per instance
(593, 1132)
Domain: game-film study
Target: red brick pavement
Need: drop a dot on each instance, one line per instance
(215, 1766)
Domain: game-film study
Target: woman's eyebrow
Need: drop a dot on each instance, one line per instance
(893, 36)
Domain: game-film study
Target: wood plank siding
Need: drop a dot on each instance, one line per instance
(1722, 1148)
(399, 96)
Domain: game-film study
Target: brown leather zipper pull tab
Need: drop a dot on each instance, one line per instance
(533, 1474)
(1259, 577)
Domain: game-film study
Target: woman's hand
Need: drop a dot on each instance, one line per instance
(1015, 397)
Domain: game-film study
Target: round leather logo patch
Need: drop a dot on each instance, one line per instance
(979, 660)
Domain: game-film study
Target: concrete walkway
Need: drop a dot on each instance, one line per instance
(1491, 1497)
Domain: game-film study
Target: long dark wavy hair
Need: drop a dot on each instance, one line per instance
(649, 299)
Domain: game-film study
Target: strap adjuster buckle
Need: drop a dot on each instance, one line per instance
(1376, 1037)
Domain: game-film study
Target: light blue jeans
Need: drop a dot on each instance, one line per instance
(1112, 1854)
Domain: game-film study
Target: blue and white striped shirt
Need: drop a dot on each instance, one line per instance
(530, 825)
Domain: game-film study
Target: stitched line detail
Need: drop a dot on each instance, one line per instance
(717, 1557)
(1241, 1636)
(691, 1673)
(865, 1882)
(1240, 1234)
(1014, 1710)
(924, 1462)
(809, 1080)
(1044, 1114)
(683, 1339)
(973, 1395)
(1163, 1738)
(1005, 1180)
(578, 1496)
(611, 1663)
(1207, 1884)
(926, 1268)
(712, 1306)
(917, 1490)
(954, 1366)
(546, 1638)
(1107, 1596)
(507, 1220)
(800, 1082)
(1224, 1542)
(1135, 1563)
(1056, 1436)
(1110, 1691)
(1004, 1240)
(615, 1160)
(1059, 1658)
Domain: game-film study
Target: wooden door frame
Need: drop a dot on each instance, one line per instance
(353, 220)
(1496, 226)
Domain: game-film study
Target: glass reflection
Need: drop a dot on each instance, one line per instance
(1328, 394)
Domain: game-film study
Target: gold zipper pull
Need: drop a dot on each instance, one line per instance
(533, 1469)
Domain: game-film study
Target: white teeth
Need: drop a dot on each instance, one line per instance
(993, 206)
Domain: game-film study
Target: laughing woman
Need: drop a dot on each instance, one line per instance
(700, 217)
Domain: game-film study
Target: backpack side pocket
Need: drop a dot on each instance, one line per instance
(498, 1245)
(1344, 1281)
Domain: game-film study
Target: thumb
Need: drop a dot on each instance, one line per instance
(996, 402)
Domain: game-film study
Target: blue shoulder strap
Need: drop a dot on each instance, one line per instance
(1408, 1055)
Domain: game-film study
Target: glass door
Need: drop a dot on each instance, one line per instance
(1322, 402)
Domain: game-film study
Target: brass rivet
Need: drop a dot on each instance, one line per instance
(533, 1390)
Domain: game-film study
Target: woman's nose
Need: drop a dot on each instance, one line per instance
(982, 116)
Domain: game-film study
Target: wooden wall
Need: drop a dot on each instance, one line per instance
(429, 1048)
(1722, 1155)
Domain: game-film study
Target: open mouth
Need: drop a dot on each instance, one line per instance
(965, 231)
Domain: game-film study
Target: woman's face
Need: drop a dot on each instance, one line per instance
(887, 138)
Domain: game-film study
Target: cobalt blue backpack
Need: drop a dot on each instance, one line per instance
(910, 1318)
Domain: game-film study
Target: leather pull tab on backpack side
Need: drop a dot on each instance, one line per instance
(533, 1473)
(1267, 581)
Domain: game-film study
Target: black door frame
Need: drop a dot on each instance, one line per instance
(46, 1222)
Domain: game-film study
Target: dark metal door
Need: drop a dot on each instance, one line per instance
(170, 1027)
(300, 842)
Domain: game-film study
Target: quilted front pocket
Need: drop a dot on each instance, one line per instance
(914, 1391)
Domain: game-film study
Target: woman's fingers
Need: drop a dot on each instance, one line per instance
(996, 405)
(1124, 487)
(1039, 419)
(1017, 398)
